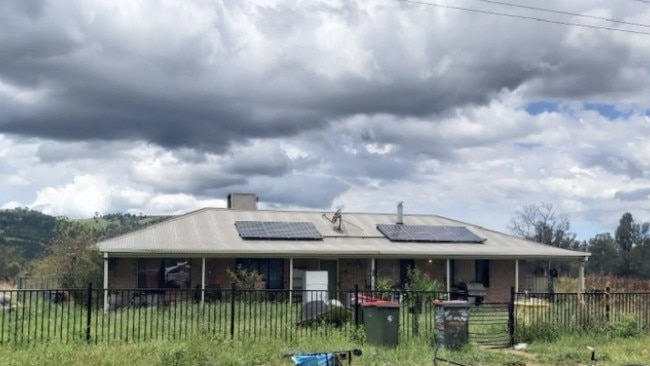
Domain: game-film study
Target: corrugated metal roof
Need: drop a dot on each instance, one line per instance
(212, 232)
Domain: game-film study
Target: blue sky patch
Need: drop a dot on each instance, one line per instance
(609, 111)
(542, 106)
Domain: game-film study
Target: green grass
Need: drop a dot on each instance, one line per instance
(42, 321)
(568, 350)
(572, 350)
(199, 334)
(199, 351)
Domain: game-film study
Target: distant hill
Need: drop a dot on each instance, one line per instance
(25, 234)
(29, 231)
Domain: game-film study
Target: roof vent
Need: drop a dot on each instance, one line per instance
(400, 213)
(242, 201)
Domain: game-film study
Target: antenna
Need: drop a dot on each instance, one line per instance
(336, 217)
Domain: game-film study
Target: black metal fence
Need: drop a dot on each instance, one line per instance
(542, 315)
(131, 315)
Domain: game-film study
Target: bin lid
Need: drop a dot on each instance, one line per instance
(381, 303)
(451, 303)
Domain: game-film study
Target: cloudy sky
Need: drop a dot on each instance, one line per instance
(463, 108)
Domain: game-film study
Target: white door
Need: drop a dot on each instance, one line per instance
(316, 286)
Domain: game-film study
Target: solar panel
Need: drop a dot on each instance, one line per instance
(428, 233)
(277, 230)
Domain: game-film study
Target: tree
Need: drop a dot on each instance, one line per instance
(73, 258)
(542, 224)
(630, 234)
(630, 238)
(604, 255)
(11, 259)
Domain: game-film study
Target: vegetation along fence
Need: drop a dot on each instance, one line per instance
(131, 315)
(546, 315)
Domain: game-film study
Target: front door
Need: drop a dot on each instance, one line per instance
(332, 268)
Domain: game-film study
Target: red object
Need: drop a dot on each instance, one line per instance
(362, 299)
(380, 303)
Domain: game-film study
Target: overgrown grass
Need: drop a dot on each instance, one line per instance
(199, 351)
(567, 350)
(37, 320)
(572, 350)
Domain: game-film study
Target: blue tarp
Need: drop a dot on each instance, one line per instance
(314, 359)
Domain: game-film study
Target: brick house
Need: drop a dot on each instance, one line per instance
(195, 250)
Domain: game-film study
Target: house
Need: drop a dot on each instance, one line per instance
(196, 250)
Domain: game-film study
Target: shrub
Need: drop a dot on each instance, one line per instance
(384, 286)
(537, 331)
(627, 328)
(246, 279)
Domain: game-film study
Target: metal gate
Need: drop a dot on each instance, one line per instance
(489, 325)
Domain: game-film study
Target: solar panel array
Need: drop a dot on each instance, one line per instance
(276, 230)
(428, 233)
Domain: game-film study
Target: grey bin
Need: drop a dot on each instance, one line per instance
(451, 328)
(381, 320)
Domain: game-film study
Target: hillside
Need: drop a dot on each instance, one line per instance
(25, 234)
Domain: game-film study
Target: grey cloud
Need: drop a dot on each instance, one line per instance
(308, 191)
(615, 163)
(261, 161)
(89, 98)
(633, 195)
(32, 8)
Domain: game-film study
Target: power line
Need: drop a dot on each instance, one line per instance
(644, 1)
(562, 12)
(523, 17)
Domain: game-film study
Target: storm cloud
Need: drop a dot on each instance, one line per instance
(169, 106)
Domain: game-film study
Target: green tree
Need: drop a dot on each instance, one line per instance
(11, 260)
(604, 255)
(73, 258)
(630, 238)
(629, 234)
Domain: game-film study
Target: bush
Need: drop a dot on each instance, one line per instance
(627, 328)
(73, 259)
(537, 331)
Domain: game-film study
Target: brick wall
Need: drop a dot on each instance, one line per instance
(354, 272)
(502, 278)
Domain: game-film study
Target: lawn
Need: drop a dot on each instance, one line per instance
(567, 350)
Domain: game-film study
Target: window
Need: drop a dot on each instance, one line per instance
(158, 273)
(482, 271)
(271, 269)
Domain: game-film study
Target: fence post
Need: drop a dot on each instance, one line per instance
(89, 300)
(356, 305)
(511, 316)
(607, 304)
(232, 310)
